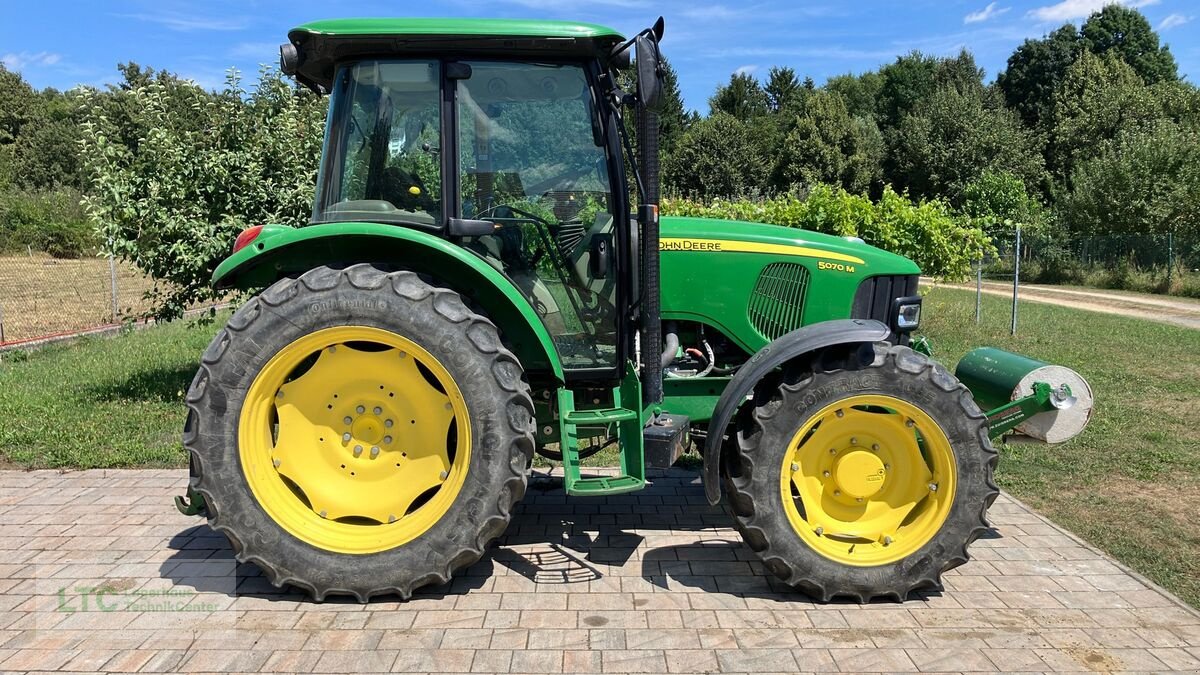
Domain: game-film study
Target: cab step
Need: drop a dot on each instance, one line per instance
(623, 421)
(598, 416)
(605, 485)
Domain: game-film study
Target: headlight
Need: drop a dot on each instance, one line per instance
(907, 314)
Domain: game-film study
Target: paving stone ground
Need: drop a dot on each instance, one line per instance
(98, 572)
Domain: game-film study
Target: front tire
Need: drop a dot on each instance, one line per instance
(359, 432)
(864, 481)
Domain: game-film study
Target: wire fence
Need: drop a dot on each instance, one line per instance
(1147, 263)
(1150, 263)
(43, 297)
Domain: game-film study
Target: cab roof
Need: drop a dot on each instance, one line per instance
(322, 44)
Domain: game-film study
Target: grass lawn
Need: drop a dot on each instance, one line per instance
(102, 402)
(1130, 484)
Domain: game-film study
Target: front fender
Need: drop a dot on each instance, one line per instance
(279, 251)
(806, 340)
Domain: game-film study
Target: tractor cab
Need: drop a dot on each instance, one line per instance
(510, 148)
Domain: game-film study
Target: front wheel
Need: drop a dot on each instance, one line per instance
(361, 432)
(866, 481)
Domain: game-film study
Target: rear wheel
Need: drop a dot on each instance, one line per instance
(336, 442)
(864, 482)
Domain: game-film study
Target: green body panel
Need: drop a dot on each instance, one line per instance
(713, 284)
(280, 250)
(695, 397)
(417, 27)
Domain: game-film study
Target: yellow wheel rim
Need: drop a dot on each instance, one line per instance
(868, 480)
(355, 439)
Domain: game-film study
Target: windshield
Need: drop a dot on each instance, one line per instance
(381, 161)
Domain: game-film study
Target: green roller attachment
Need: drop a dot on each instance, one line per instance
(1039, 400)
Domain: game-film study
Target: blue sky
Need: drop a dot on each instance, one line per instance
(62, 44)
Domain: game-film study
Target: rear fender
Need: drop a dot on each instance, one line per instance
(280, 251)
(796, 344)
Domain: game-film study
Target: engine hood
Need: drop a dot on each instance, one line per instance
(684, 233)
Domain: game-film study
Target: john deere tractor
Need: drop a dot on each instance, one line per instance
(486, 277)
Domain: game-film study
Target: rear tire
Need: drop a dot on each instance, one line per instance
(366, 550)
(824, 541)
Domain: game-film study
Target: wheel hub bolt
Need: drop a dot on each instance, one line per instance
(833, 451)
(858, 499)
(933, 487)
(837, 493)
(378, 410)
(795, 466)
(374, 451)
(346, 437)
(387, 439)
(387, 423)
(547, 430)
(841, 413)
(853, 440)
(276, 462)
(391, 518)
(820, 531)
(347, 420)
(827, 474)
(443, 475)
(360, 410)
(909, 423)
(875, 447)
(887, 541)
(357, 450)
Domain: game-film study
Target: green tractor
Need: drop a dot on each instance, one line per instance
(478, 285)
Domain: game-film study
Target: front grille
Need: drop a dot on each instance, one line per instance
(777, 302)
(874, 297)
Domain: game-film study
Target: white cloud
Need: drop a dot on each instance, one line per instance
(989, 12)
(22, 60)
(1173, 20)
(186, 23)
(746, 70)
(1069, 10)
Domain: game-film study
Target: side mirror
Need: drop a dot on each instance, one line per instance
(649, 72)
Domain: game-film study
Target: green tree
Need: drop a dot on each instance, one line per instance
(905, 83)
(995, 197)
(952, 138)
(1035, 70)
(18, 104)
(783, 89)
(1099, 97)
(203, 167)
(859, 91)
(829, 146)
(1146, 182)
(743, 97)
(717, 157)
(46, 154)
(1125, 32)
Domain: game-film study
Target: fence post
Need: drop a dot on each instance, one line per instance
(112, 277)
(1, 324)
(1170, 258)
(1016, 279)
(979, 288)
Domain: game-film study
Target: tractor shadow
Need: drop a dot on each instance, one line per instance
(666, 538)
(157, 384)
